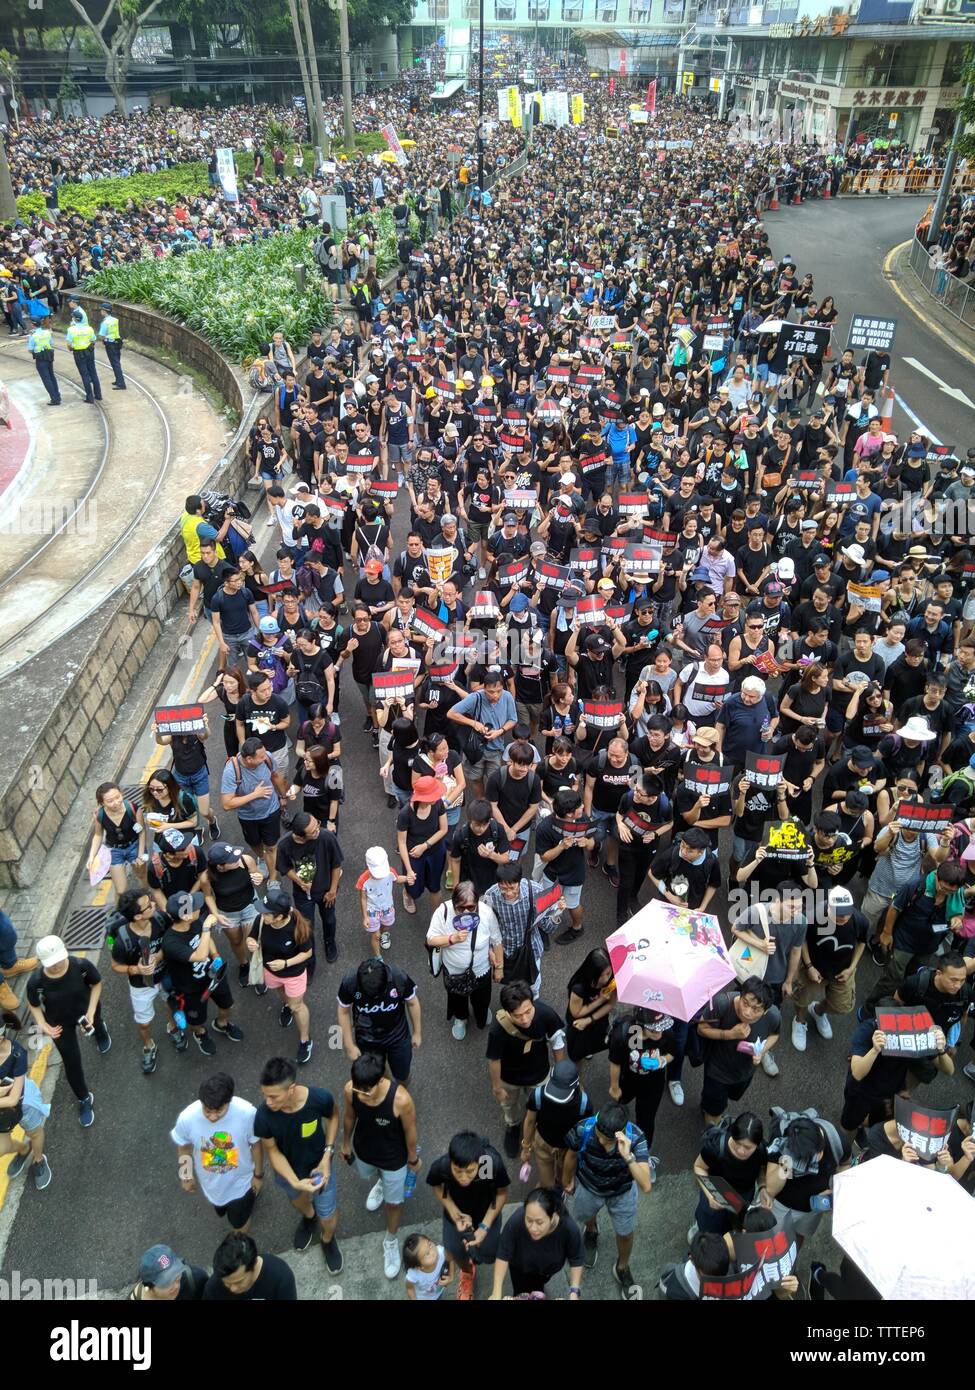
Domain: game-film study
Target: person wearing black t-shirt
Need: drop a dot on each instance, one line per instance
(471, 1183)
(364, 645)
(378, 1011)
(297, 1126)
(63, 993)
(538, 1241)
(242, 1275)
(733, 1154)
(262, 714)
(137, 954)
(190, 962)
(477, 849)
(641, 1048)
(519, 1040)
(551, 1110)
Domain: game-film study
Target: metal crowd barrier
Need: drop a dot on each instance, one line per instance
(943, 287)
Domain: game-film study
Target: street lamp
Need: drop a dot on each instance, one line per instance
(480, 96)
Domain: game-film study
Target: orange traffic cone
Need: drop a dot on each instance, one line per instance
(774, 201)
(826, 192)
(886, 408)
(797, 200)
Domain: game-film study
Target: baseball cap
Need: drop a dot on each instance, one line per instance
(175, 840)
(510, 519)
(184, 905)
(276, 902)
(270, 625)
(160, 1267)
(373, 567)
(822, 559)
(223, 853)
(786, 568)
(50, 950)
(377, 862)
(841, 900)
(563, 1083)
(519, 604)
(862, 757)
(772, 588)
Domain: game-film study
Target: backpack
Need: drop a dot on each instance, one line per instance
(308, 688)
(782, 1119)
(530, 779)
(159, 868)
(964, 775)
(103, 818)
(268, 661)
(601, 760)
(588, 1127)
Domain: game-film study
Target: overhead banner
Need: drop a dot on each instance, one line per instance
(227, 174)
(578, 108)
(871, 333)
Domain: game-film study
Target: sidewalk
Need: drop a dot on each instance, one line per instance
(908, 288)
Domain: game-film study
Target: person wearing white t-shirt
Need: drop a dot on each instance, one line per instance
(429, 1269)
(376, 898)
(219, 1150)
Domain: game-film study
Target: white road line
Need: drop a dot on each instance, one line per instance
(917, 420)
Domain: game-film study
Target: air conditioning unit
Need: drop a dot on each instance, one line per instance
(952, 6)
(722, 16)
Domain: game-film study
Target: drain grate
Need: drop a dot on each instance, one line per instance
(133, 794)
(86, 929)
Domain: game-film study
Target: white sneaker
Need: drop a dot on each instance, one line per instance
(691, 1232)
(392, 1261)
(375, 1199)
(823, 1026)
(459, 1029)
(769, 1065)
(676, 1092)
(799, 1031)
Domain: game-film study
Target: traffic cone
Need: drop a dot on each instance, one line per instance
(887, 411)
(797, 200)
(826, 192)
(774, 202)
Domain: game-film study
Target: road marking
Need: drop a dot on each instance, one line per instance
(37, 1074)
(930, 323)
(102, 892)
(955, 392)
(916, 418)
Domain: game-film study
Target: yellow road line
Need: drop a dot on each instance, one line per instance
(928, 322)
(104, 889)
(37, 1074)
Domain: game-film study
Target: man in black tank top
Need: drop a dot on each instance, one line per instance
(228, 887)
(379, 1138)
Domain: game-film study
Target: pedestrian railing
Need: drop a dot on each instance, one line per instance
(888, 181)
(946, 289)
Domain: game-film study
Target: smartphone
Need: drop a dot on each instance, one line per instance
(317, 1179)
(86, 1026)
(823, 1201)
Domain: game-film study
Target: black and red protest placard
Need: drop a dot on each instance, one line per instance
(428, 624)
(591, 611)
(602, 714)
(908, 1032)
(918, 815)
(707, 779)
(360, 464)
(585, 559)
(925, 1130)
(764, 769)
(180, 719)
(553, 576)
(393, 685)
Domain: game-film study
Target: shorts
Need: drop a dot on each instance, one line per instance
(621, 1208)
(238, 1212)
(393, 1180)
(294, 985)
(478, 530)
(572, 896)
(835, 720)
(491, 759)
(241, 917)
(143, 1001)
(484, 1254)
(262, 832)
(196, 782)
(125, 854)
(429, 871)
(384, 918)
(604, 820)
(398, 453)
(840, 995)
(35, 1112)
(324, 1201)
(195, 1006)
(269, 475)
(742, 851)
(279, 758)
(715, 1094)
(366, 691)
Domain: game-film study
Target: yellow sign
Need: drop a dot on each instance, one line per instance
(687, 80)
(578, 108)
(514, 106)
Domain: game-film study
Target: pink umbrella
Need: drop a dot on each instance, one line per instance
(669, 958)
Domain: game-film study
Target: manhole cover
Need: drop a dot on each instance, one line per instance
(86, 929)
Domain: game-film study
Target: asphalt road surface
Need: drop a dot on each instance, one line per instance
(115, 1189)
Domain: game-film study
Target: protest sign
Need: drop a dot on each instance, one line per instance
(180, 719)
(908, 1032)
(785, 839)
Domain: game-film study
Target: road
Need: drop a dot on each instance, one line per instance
(844, 243)
(115, 1190)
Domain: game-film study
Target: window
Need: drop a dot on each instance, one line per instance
(832, 59)
(439, 10)
(954, 62)
(572, 11)
(538, 10)
(504, 10)
(606, 12)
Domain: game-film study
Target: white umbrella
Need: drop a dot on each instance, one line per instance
(910, 1230)
(770, 326)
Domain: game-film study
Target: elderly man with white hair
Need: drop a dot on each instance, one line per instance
(746, 721)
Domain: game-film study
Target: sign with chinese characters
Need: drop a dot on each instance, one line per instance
(393, 685)
(785, 839)
(774, 1252)
(764, 769)
(602, 714)
(803, 340)
(907, 1032)
(923, 1129)
(575, 829)
(915, 815)
(707, 779)
(889, 96)
(180, 719)
(735, 1288)
(866, 596)
(868, 332)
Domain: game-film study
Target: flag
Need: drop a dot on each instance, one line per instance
(651, 102)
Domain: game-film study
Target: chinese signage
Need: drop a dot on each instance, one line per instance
(805, 340)
(867, 332)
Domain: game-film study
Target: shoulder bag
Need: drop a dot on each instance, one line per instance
(745, 960)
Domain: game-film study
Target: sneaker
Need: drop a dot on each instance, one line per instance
(243, 974)
(590, 1240)
(305, 1232)
(969, 1071)
(103, 1041)
(149, 1059)
(392, 1262)
(692, 1232)
(512, 1140)
(816, 1291)
(799, 1034)
(878, 953)
(367, 725)
(41, 1173)
(17, 1164)
(676, 1092)
(465, 1285)
(304, 1052)
(260, 990)
(769, 1065)
(214, 830)
(178, 1038)
(229, 1030)
(86, 1111)
(391, 802)
(567, 937)
(385, 941)
(205, 1043)
(612, 873)
(285, 1017)
(823, 1026)
(459, 1029)
(375, 738)
(629, 1289)
(375, 1199)
(331, 952)
(332, 1256)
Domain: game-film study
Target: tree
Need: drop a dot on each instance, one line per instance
(966, 107)
(115, 33)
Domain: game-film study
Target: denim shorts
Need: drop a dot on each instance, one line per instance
(393, 1180)
(324, 1201)
(35, 1112)
(572, 896)
(196, 782)
(621, 1208)
(125, 854)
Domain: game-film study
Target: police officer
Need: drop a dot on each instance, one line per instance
(108, 332)
(74, 305)
(40, 344)
(80, 338)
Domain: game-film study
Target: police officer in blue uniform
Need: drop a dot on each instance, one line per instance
(110, 335)
(80, 338)
(40, 344)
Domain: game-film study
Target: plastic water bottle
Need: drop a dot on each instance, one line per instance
(179, 1018)
(766, 728)
(935, 778)
(216, 965)
(409, 1187)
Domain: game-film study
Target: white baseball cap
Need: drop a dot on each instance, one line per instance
(377, 862)
(51, 950)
